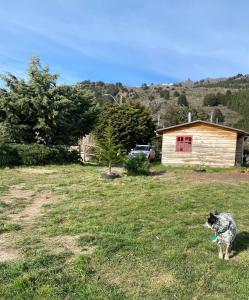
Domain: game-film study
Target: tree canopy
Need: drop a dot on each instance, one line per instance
(177, 114)
(132, 124)
(36, 110)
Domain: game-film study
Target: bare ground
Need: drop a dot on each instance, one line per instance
(36, 171)
(233, 178)
(27, 218)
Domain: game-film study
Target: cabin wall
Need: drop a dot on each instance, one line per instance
(211, 146)
(239, 150)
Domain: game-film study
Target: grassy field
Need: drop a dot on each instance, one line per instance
(65, 233)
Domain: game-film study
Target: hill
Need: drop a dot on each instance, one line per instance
(158, 96)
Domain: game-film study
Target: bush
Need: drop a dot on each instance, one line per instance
(35, 154)
(9, 156)
(218, 115)
(164, 94)
(137, 165)
(182, 100)
(176, 94)
(211, 100)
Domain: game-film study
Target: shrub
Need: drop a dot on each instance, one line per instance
(164, 94)
(218, 115)
(35, 154)
(151, 97)
(144, 86)
(182, 100)
(137, 165)
(9, 156)
(176, 94)
(211, 100)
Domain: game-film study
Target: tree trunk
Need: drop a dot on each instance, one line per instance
(110, 168)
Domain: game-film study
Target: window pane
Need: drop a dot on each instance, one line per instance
(184, 144)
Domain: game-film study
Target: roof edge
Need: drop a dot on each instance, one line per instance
(161, 130)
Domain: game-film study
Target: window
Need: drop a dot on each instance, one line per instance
(142, 148)
(184, 144)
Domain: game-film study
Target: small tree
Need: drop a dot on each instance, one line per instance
(182, 100)
(108, 152)
(211, 100)
(218, 115)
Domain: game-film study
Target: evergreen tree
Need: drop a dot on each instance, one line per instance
(38, 111)
(108, 151)
(132, 124)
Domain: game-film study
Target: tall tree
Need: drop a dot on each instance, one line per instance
(132, 124)
(38, 111)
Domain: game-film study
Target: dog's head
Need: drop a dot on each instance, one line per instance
(212, 221)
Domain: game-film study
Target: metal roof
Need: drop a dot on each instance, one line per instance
(161, 130)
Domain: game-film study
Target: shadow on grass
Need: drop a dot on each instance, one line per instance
(157, 173)
(241, 243)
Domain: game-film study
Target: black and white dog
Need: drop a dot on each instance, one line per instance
(224, 228)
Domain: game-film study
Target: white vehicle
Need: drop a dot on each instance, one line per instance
(145, 149)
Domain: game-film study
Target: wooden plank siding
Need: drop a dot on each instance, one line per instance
(211, 146)
(239, 150)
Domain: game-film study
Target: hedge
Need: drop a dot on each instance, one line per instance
(35, 154)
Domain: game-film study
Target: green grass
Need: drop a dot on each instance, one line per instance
(146, 234)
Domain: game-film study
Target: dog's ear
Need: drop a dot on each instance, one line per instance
(211, 215)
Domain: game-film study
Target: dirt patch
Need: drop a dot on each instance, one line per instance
(233, 178)
(132, 277)
(77, 186)
(17, 192)
(161, 279)
(37, 171)
(34, 210)
(8, 249)
(32, 213)
(162, 175)
(68, 243)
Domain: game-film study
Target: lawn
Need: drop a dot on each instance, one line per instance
(65, 233)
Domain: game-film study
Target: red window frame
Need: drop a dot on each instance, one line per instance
(184, 143)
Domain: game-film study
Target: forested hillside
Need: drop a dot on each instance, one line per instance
(227, 99)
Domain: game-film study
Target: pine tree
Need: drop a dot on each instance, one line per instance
(38, 111)
(108, 150)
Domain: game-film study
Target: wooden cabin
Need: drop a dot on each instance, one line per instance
(202, 143)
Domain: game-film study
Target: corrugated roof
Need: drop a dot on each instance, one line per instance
(161, 130)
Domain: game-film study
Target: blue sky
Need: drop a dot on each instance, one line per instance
(132, 41)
